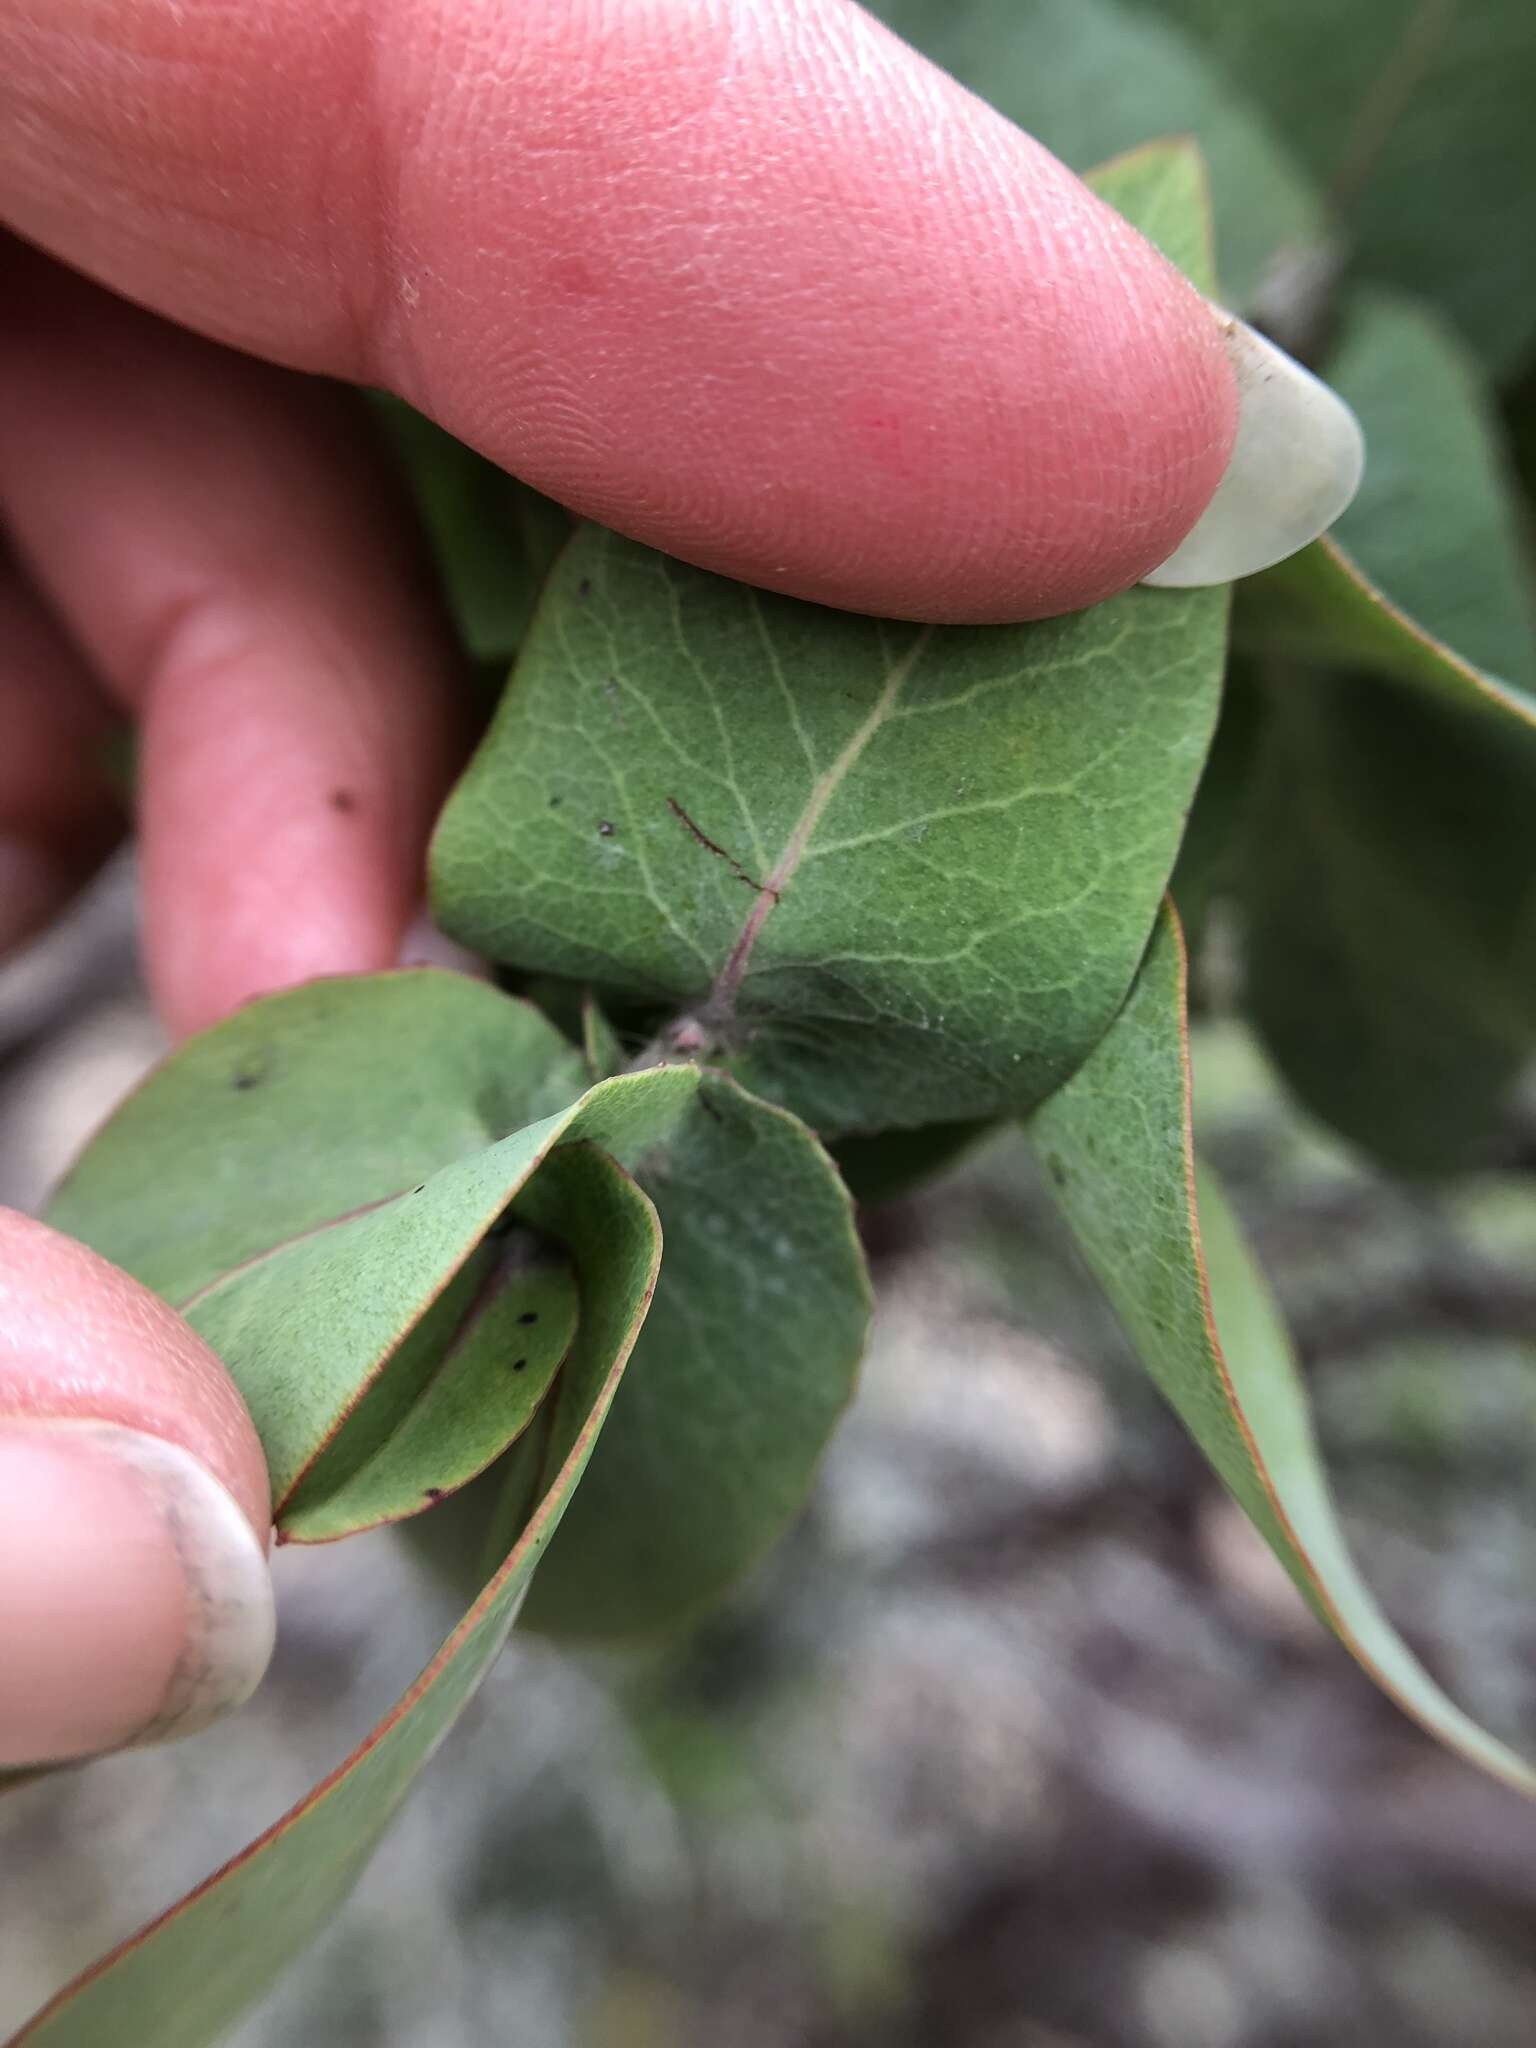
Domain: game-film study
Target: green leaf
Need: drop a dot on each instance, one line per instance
(1163, 189)
(746, 1361)
(305, 1107)
(487, 1381)
(1319, 606)
(766, 815)
(493, 538)
(311, 1329)
(1415, 117)
(1117, 1150)
(308, 1192)
(1092, 78)
(1435, 527)
(1391, 908)
(189, 1976)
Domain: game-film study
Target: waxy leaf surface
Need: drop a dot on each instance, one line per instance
(511, 1337)
(892, 873)
(308, 1182)
(1116, 1147)
(747, 1359)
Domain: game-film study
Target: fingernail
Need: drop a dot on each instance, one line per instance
(135, 1601)
(1295, 464)
(32, 886)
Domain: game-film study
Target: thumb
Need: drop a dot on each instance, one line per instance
(135, 1603)
(747, 279)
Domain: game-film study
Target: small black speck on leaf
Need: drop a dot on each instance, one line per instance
(555, 802)
(583, 590)
(604, 829)
(248, 1077)
(1058, 1172)
(529, 1315)
(421, 1190)
(518, 1364)
(433, 1493)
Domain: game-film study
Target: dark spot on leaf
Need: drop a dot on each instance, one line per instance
(555, 802)
(421, 1190)
(518, 1364)
(604, 829)
(433, 1493)
(529, 1315)
(249, 1077)
(583, 590)
(1057, 1170)
(343, 802)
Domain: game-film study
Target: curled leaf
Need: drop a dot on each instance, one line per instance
(1117, 1148)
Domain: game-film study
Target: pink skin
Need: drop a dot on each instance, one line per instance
(740, 276)
(237, 574)
(744, 278)
(93, 1602)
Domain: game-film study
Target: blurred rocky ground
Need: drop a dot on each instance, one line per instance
(1022, 1741)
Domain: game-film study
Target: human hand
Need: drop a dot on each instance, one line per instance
(744, 278)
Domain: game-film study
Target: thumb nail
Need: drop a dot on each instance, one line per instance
(135, 1601)
(1296, 463)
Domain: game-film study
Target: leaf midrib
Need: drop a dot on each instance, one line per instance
(722, 997)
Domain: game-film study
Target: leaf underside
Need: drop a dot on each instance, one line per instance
(1117, 1149)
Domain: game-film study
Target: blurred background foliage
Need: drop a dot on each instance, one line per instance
(1024, 1741)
